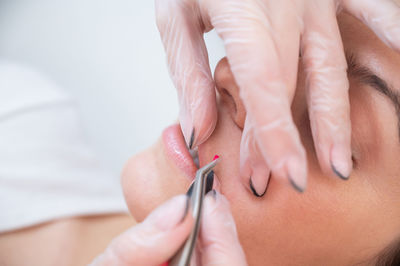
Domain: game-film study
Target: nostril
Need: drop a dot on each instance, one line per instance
(355, 162)
(230, 103)
(228, 98)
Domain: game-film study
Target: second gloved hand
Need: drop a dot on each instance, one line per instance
(161, 234)
(262, 41)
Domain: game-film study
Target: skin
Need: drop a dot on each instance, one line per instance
(64, 242)
(335, 222)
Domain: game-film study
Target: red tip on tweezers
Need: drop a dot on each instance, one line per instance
(216, 157)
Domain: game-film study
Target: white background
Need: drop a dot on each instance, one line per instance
(108, 54)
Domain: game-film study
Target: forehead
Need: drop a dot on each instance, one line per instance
(369, 49)
(356, 35)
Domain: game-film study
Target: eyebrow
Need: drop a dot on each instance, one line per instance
(368, 77)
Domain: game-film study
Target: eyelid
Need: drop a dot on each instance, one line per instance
(369, 78)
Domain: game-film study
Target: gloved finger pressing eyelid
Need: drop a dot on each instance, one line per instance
(182, 36)
(279, 142)
(155, 240)
(327, 86)
(276, 136)
(261, 64)
(382, 16)
(219, 239)
(254, 171)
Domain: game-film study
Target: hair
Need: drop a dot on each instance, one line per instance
(389, 256)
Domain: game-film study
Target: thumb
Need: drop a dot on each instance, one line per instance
(155, 240)
(219, 239)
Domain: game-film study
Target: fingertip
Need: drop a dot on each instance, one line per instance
(341, 162)
(210, 201)
(246, 156)
(204, 125)
(186, 123)
(335, 160)
(297, 173)
(216, 204)
(170, 214)
(219, 238)
(259, 180)
(198, 124)
(155, 240)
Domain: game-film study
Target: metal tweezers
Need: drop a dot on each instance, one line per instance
(200, 186)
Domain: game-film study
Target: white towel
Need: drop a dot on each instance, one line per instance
(47, 170)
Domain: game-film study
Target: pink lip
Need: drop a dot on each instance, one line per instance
(175, 148)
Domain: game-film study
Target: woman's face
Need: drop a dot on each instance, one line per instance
(334, 222)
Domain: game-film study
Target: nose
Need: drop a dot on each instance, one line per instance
(229, 92)
(230, 95)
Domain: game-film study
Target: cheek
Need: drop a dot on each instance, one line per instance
(149, 179)
(131, 183)
(284, 227)
(137, 183)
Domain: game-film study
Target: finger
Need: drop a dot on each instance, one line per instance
(264, 64)
(254, 171)
(219, 240)
(327, 86)
(383, 17)
(182, 35)
(155, 240)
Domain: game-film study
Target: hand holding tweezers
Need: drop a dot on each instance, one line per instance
(201, 185)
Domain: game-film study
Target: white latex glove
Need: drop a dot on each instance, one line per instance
(160, 235)
(262, 40)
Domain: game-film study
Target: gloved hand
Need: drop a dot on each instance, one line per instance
(262, 41)
(160, 235)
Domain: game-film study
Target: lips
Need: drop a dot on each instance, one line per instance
(176, 150)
